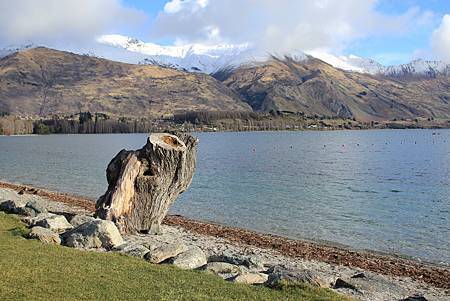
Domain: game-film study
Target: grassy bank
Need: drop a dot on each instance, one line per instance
(30, 270)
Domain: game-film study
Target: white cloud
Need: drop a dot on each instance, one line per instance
(175, 6)
(441, 40)
(282, 25)
(58, 21)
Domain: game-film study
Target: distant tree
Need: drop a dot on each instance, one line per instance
(41, 129)
(85, 117)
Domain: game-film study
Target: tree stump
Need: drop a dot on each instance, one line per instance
(142, 184)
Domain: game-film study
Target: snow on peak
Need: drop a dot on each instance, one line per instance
(192, 57)
(355, 63)
(211, 58)
(418, 67)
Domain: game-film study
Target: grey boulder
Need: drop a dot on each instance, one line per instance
(280, 274)
(78, 220)
(44, 235)
(191, 259)
(14, 206)
(33, 208)
(56, 223)
(94, 234)
(250, 278)
(368, 283)
(250, 262)
(135, 250)
(165, 252)
(33, 220)
(222, 268)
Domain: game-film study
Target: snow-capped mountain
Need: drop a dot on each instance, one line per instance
(418, 67)
(212, 58)
(192, 57)
(208, 59)
(355, 63)
(349, 63)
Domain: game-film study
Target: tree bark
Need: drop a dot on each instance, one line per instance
(142, 184)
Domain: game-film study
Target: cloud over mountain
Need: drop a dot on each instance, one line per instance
(441, 40)
(280, 26)
(56, 21)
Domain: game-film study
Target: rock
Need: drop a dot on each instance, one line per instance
(8, 194)
(36, 206)
(134, 250)
(44, 235)
(32, 208)
(415, 297)
(33, 220)
(191, 259)
(26, 212)
(358, 275)
(369, 283)
(251, 278)
(78, 220)
(280, 274)
(341, 283)
(57, 223)
(247, 261)
(165, 252)
(13, 206)
(142, 184)
(222, 268)
(94, 234)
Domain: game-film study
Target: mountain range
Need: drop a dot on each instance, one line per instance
(39, 81)
(210, 59)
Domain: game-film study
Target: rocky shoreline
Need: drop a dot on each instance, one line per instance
(244, 256)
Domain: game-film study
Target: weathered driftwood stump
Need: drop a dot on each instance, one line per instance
(142, 184)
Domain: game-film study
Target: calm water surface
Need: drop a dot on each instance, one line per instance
(381, 190)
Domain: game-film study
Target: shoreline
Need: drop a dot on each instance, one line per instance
(248, 131)
(384, 264)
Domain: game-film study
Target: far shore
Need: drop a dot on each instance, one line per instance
(243, 131)
(385, 264)
(205, 122)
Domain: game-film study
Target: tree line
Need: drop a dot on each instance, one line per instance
(97, 123)
(100, 123)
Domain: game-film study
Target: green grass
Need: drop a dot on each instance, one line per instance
(30, 270)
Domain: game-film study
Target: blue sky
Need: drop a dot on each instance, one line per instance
(392, 50)
(390, 32)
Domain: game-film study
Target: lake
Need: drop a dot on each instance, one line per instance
(386, 190)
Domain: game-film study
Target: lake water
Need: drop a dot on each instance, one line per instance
(381, 190)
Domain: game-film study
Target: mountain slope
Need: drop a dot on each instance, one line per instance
(314, 87)
(42, 81)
